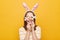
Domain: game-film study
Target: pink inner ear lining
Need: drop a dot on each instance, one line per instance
(35, 6)
(25, 6)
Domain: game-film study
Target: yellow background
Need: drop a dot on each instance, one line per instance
(12, 13)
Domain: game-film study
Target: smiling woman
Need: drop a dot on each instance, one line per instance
(30, 31)
(47, 17)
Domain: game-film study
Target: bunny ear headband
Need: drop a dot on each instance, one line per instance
(28, 9)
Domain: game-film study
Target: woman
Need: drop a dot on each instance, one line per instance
(30, 31)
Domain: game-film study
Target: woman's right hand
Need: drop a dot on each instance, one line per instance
(29, 27)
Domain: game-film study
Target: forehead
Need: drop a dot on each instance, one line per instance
(29, 14)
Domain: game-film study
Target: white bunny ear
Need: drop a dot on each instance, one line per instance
(35, 6)
(25, 6)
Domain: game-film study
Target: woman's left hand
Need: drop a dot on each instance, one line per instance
(32, 24)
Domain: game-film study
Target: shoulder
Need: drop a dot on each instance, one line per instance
(22, 32)
(21, 29)
(38, 28)
(38, 31)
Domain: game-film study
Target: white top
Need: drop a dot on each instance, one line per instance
(22, 33)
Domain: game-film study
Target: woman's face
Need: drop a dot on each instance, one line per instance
(29, 16)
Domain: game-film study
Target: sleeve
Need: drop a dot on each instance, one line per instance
(21, 34)
(38, 32)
